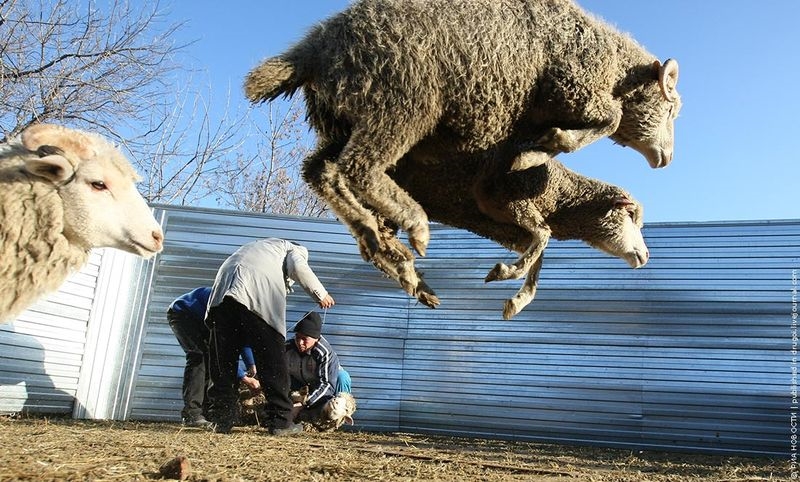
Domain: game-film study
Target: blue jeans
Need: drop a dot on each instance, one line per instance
(343, 381)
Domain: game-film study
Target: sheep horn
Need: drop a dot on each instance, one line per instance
(668, 78)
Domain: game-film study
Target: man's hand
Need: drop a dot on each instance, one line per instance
(327, 302)
(252, 383)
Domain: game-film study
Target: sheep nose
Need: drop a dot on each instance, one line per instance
(158, 237)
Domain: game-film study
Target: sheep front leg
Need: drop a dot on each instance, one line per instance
(589, 116)
(557, 140)
(404, 272)
(525, 294)
(374, 148)
(540, 237)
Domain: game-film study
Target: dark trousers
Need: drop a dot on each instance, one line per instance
(192, 335)
(233, 326)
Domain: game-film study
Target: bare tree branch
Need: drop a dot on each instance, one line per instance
(114, 68)
(269, 180)
(59, 62)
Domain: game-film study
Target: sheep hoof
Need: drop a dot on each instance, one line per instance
(529, 159)
(425, 294)
(557, 140)
(499, 272)
(510, 309)
(428, 299)
(409, 286)
(418, 239)
(418, 246)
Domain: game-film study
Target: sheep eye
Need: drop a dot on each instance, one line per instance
(99, 185)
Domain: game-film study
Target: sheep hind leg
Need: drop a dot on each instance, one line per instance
(321, 173)
(522, 265)
(369, 153)
(397, 261)
(384, 251)
(525, 294)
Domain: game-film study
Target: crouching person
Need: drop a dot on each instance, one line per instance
(315, 372)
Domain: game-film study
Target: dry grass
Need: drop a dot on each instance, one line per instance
(43, 449)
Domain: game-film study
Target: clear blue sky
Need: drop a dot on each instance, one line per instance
(735, 156)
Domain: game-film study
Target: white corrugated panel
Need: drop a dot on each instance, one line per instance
(113, 341)
(41, 351)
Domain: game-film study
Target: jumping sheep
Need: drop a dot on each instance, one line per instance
(445, 79)
(62, 193)
(520, 210)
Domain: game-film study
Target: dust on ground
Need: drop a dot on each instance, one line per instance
(44, 449)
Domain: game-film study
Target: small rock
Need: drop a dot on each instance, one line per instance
(177, 468)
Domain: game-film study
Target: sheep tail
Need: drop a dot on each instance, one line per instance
(272, 78)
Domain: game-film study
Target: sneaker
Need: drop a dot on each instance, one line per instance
(198, 422)
(292, 429)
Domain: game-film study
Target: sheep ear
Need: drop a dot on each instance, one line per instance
(667, 78)
(622, 201)
(348, 419)
(54, 167)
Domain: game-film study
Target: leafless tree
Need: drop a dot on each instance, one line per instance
(115, 68)
(185, 150)
(81, 65)
(268, 179)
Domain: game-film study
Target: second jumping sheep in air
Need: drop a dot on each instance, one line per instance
(62, 193)
(453, 78)
(520, 210)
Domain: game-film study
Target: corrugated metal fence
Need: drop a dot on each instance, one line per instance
(691, 352)
(41, 352)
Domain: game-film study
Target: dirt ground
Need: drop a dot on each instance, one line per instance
(42, 449)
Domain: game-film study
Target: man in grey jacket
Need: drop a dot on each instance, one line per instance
(248, 307)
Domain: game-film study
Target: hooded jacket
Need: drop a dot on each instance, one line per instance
(259, 274)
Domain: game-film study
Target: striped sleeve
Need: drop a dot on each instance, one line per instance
(327, 369)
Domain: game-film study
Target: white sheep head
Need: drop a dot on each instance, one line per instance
(102, 207)
(339, 410)
(619, 232)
